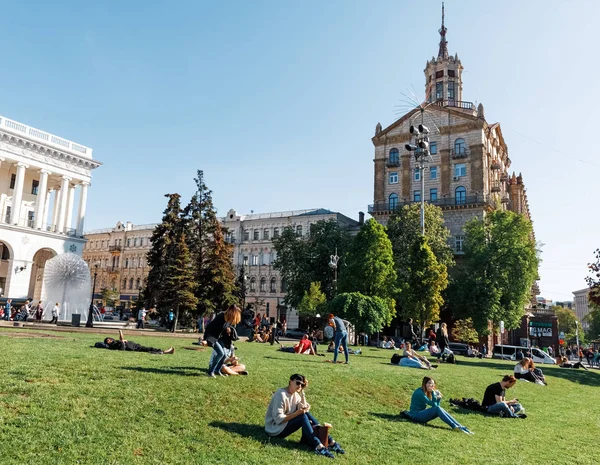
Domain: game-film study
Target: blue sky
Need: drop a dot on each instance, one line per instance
(277, 101)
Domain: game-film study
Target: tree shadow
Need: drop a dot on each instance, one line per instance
(255, 432)
(165, 370)
(400, 418)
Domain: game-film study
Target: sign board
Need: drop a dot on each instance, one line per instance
(537, 331)
(502, 327)
(561, 335)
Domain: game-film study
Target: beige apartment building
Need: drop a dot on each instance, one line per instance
(252, 236)
(468, 171)
(118, 256)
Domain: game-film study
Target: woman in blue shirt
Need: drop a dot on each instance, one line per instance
(427, 395)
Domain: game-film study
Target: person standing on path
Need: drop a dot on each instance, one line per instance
(55, 311)
(7, 309)
(39, 313)
(340, 337)
(141, 318)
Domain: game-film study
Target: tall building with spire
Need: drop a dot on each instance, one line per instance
(468, 173)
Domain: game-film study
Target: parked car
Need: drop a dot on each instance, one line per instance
(295, 333)
(458, 348)
(510, 353)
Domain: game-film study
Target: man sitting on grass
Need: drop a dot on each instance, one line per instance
(495, 403)
(124, 344)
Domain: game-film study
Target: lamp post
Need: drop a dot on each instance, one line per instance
(90, 321)
(333, 264)
(421, 150)
(577, 337)
(242, 283)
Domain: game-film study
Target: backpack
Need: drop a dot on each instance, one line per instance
(450, 359)
(396, 359)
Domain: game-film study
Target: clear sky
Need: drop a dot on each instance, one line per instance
(277, 100)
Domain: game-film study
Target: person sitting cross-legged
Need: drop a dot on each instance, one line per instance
(124, 344)
(413, 360)
(495, 402)
(288, 412)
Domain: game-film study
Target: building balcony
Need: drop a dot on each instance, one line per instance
(505, 199)
(444, 203)
(495, 165)
(117, 249)
(30, 225)
(392, 163)
(495, 187)
(455, 104)
(503, 177)
(462, 152)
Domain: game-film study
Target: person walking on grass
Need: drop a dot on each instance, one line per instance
(288, 412)
(221, 325)
(428, 395)
(55, 311)
(141, 317)
(340, 337)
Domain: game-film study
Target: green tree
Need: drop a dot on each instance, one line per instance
(567, 321)
(593, 321)
(302, 261)
(110, 296)
(369, 264)
(464, 331)
(214, 274)
(500, 265)
(368, 314)
(420, 296)
(404, 229)
(312, 301)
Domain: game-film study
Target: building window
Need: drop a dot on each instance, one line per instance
(126, 263)
(128, 242)
(245, 260)
(433, 148)
(273, 284)
(459, 243)
(283, 286)
(124, 283)
(393, 200)
(299, 230)
(461, 195)
(141, 242)
(7, 216)
(263, 284)
(30, 218)
(266, 234)
(254, 260)
(34, 187)
(451, 73)
(433, 194)
(417, 196)
(394, 156)
(13, 179)
(450, 90)
(460, 148)
(273, 256)
(394, 177)
(130, 283)
(253, 284)
(247, 235)
(255, 236)
(275, 233)
(417, 174)
(460, 169)
(439, 92)
(135, 241)
(138, 284)
(439, 74)
(433, 172)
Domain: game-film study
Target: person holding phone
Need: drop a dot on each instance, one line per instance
(288, 412)
(428, 395)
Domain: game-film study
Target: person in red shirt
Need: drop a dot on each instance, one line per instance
(303, 346)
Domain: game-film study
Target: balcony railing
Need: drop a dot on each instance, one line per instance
(392, 162)
(495, 187)
(462, 152)
(114, 248)
(495, 165)
(455, 104)
(444, 202)
(30, 224)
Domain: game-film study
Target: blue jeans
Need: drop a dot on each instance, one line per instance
(305, 421)
(509, 410)
(214, 367)
(434, 412)
(341, 338)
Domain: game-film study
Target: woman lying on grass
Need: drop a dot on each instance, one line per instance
(413, 360)
(427, 395)
(288, 412)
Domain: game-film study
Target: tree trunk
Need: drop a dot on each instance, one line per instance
(176, 318)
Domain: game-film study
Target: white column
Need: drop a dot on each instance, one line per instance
(82, 205)
(62, 204)
(18, 194)
(70, 201)
(56, 208)
(46, 209)
(41, 199)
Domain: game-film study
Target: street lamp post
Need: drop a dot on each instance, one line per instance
(421, 151)
(333, 264)
(242, 280)
(90, 321)
(577, 337)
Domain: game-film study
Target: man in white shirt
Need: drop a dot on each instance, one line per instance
(141, 318)
(55, 312)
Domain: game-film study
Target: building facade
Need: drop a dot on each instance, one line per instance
(118, 258)
(254, 253)
(44, 181)
(581, 302)
(468, 172)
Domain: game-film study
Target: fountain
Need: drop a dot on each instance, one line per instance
(67, 281)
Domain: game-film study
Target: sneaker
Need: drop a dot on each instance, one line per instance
(434, 366)
(466, 430)
(324, 452)
(522, 415)
(337, 449)
(211, 375)
(170, 350)
(223, 374)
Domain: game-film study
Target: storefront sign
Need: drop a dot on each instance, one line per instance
(540, 329)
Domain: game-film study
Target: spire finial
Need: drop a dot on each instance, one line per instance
(443, 52)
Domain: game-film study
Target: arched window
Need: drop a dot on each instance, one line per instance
(247, 235)
(252, 284)
(275, 233)
(125, 283)
(266, 234)
(138, 283)
(460, 147)
(299, 230)
(461, 195)
(394, 157)
(393, 200)
(126, 263)
(255, 235)
(263, 284)
(273, 284)
(130, 283)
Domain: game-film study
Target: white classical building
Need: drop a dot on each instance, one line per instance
(40, 175)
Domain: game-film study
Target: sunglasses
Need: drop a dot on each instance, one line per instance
(300, 383)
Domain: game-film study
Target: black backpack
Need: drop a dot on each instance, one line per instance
(450, 359)
(396, 359)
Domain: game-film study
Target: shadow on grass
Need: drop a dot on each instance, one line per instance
(179, 371)
(255, 432)
(400, 418)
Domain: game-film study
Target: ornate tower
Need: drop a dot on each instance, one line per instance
(443, 75)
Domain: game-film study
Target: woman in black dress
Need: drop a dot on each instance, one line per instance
(220, 325)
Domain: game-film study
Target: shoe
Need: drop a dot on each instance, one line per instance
(466, 430)
(212, 375)
(223, 374)
(324, 452)
(434, 366)
(522, 415)
(337, 449)
(170, 350)
(245, 373)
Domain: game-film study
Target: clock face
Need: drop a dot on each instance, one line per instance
(328, 332)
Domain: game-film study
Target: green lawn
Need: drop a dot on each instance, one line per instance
(62, 402)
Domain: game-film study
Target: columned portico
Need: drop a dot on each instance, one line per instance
(18, 193)
(40, 205)
(62, 205)
(82, 207)
(69, 216)
(55, 209)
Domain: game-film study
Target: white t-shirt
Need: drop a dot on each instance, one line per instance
(55, 311)
(141, 314)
